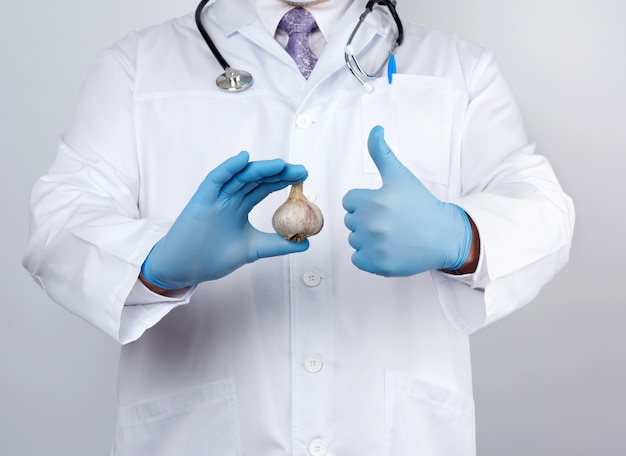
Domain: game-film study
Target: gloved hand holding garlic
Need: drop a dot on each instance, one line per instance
(212, 236)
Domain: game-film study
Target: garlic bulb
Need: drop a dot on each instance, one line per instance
(297, 218)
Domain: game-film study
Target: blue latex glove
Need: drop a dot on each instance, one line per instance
(212, 236)
(402, 229)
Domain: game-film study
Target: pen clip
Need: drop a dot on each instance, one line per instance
(391, 68)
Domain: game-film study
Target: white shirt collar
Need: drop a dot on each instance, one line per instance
(326, 14)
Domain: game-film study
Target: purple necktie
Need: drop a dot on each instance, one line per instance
(298, 24)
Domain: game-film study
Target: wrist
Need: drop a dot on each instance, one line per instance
(154, 283)
(167, 292)
(473, 256)
(152, 287)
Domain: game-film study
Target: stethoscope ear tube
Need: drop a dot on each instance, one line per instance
(392, 8)
(391, 5)
(350, 54)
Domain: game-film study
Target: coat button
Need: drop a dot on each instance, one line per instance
(317, 448)
(304, 121)
(311, 278)
(313, 364)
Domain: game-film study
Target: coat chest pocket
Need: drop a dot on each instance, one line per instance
(199, 422)
(416, 113)
(422, 418)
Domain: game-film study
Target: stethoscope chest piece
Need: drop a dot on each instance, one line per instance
(234, 80)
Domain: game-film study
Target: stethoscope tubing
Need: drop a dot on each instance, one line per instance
(216, 52)
(233, 80)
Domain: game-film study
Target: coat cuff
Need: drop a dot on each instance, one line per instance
(144, 308)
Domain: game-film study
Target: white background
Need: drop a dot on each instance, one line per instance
(549, 380)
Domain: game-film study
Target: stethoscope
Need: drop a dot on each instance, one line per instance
(233, 80)
(350, 54)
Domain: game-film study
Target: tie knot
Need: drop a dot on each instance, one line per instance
(297, 20)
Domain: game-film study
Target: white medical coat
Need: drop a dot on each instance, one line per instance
(302, 354)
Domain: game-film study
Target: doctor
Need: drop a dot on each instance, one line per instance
(153, 226)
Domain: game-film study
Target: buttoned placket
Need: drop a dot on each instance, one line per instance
(311, 304)
(311, 309)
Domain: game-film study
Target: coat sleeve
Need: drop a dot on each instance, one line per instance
(88, 239)
(524, 218)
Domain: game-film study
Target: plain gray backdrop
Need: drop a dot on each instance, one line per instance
(549, 380)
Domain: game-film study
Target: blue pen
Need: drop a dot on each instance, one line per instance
(391, 68)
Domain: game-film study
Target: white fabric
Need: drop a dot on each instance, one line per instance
(233, 366)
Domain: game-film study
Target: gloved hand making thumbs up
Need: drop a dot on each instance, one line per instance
(402, 229)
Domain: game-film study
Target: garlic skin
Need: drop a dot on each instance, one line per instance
(297, 218)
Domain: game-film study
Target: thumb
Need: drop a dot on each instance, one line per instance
(385, 160)
(273, 244)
